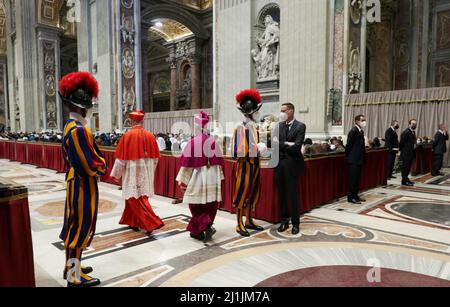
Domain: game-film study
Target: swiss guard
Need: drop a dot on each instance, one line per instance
(78, 91)
(246, 149)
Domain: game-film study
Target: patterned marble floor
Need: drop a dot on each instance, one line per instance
(399, 237)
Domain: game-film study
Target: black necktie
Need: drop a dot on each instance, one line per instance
(288, 129)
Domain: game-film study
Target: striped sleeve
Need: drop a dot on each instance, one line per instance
(83, 154)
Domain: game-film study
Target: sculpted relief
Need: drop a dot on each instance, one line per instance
(266, 56)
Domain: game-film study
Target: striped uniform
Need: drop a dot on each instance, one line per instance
(87, 163)
(245, 151)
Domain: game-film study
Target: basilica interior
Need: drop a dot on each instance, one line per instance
(332, 61)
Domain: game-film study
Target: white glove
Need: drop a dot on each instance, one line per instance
(262, 148)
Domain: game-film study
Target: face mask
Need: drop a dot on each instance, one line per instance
(363, 124)
(414, 127)
(283, 117)
(333, 147)
(89, 114)
(397, 127)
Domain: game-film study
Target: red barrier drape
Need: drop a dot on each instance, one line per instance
(110, 159)
(423, 162)
(21, 152)
(3, 154)
(35, 154)
(10, 150)
(326, 178)
(16, 253)
(54, 158)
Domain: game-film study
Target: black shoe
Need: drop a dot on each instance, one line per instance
(242, 232)
(85, 284)
(283, 227)
(254, 227)
(361, 200)
(408, 184)
(84, 270)
(200, 237)
(133, 228)
(295, 230)
(354, 201)
(209, 233)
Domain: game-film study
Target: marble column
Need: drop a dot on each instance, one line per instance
(173, 86)
(194, 61)
(24, 78)
(106, 65)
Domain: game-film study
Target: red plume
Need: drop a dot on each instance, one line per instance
(250, 94)
(74, 81)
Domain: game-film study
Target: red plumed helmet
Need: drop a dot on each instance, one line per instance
(249, 101)
(250, 94)
(79, 89)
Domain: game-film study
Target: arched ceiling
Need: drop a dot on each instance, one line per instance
(197, 4)
(168, 29)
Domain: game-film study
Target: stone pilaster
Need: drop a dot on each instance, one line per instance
(130, 86)
(194, 61)
(173, 86)
(49, 74)
(4, 113)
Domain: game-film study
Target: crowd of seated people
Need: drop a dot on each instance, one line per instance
(48, 137)
(172, 142)
(177, 142)
(108, 139)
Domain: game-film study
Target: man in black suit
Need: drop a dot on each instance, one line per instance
(439, 148)
(392, 144)
(355, 152)
(291, 136)
(408, 146)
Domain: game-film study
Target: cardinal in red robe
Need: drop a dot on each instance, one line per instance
(137, 157)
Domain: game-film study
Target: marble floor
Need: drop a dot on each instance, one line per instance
(399, 237)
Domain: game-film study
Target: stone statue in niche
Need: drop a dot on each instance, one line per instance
(185, 92)
(267, 56)
(402, 49)
(355, 76)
